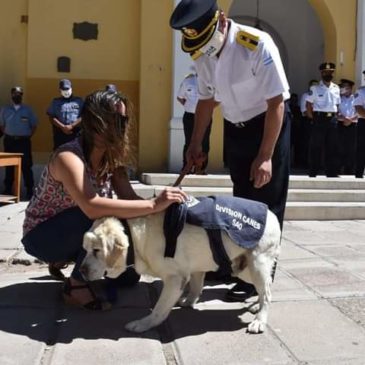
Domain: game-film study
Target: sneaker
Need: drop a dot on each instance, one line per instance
(241, 292)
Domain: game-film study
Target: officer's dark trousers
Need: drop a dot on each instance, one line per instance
(188, 123)
(19, 145)
(324, 135)
(347, 147)
(242, 146)
(360, 149)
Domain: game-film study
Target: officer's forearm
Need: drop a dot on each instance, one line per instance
(56, 122)
(203, 116)
(360, 110)
(309, 107)
(76, 123)
(273, 122)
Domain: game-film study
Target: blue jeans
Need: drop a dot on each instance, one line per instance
(60, 239)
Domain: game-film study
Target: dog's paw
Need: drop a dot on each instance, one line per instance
(256, 326)
(138, 326)
(186, 302)
(254, 308)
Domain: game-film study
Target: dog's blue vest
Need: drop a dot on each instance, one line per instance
(242, 219)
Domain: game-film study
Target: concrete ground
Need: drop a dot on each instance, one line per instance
(317, 316)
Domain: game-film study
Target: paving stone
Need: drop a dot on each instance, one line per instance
(290, 251)
(316, 331)
(5, 255)
(218, 337)
(287, 288)
(353, 308)
(21, 257)
(24, 332)
(10, 240)
(24, 290)
(332, 250)
(100, 338)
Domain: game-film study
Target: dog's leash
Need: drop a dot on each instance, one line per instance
(185, 171)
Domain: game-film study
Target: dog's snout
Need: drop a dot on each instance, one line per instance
(84, 270)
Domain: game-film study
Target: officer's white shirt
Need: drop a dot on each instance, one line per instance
(346, 107)
(303, 103)
(360, 97)
(242, 80)
(189, 91)
(323, 98)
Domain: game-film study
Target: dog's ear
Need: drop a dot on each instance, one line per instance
(115, 254)
(89, 238)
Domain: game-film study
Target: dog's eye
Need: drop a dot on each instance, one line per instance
(95, 251)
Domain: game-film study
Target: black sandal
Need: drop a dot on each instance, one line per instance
(54, 269)
(95, 305)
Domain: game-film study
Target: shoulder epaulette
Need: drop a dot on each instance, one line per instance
(247, 40)
(195, 55)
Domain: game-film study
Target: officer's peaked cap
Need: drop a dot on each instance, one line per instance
(327, 66)
(17, 89)
(65, 84)
(197, 19)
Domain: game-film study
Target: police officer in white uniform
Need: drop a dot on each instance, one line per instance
(188, 97)
(322, 107)
(360, 146)
(240, 67)
(347, 123)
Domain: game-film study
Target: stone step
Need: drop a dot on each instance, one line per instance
(322, 195)
(324, 211)
(295, 182)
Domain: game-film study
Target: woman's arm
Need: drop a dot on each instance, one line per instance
(69, 170)
(122, 186)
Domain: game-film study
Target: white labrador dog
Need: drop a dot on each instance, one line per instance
(107, 244)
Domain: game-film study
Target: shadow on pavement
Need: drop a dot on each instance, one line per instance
(35, 310)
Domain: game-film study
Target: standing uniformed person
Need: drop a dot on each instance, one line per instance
(240, 67)
(360, 148)
(64, 113)
(347, 123)
(322, 107)
(188, 97)
(18, 123)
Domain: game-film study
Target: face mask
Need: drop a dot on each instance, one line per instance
(327, 78)
(66, 93)
(215, 44)
(17, 99)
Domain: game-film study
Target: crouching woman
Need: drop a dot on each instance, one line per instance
(76, 187)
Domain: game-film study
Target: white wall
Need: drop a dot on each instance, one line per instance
(360, 57)
(297, 31)
(181, 63)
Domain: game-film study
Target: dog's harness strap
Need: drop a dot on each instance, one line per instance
(219, 252)
(130, 254)
(173, 224)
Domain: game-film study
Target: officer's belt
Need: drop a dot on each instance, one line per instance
(16, 138)
(325, 114)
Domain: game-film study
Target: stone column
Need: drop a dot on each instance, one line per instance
(360, 56)
(180, 68)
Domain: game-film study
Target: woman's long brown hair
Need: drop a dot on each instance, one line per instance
(100, 117)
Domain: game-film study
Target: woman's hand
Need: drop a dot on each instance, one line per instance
(167, 197)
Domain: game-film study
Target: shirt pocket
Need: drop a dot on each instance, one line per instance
(24, 119)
